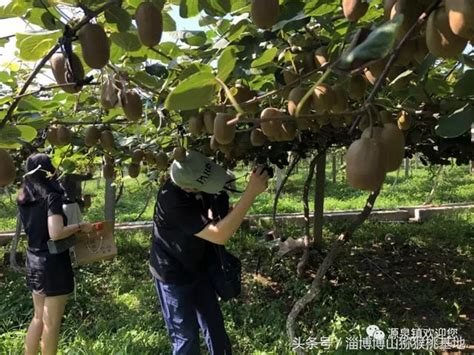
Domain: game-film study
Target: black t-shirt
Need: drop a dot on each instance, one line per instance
(34, 217)
(177, 255)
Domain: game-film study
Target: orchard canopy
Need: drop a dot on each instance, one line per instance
(96, 81)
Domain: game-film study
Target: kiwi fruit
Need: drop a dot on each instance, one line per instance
(410, 10)
(365, 165)
(63, 72)
(108, 171)
(387, 8)
(91, 136)
(149, 23)
(393, 142)
(321, 56)
(137, 156)
(354, 9)
(213, 144)
(195, 125)
(95, 45)
(264, 13)
(223, 133)
(7, 168)
(257, 138)
(404, 121)
(341, 103)
(295, 96)
(134, 170)
(64, 135)
(461, 15)
(208, 118)
(245, 94)
(421, 49)
(107, 140)
(324, 98)
(87, 200)
(179, 154)
(406, 53)
(374, 70)
(288, 131)
(161, 161)
(52, 136)
(270, 128)
(109, 159)
(132, 105)
(290, 76)
(150, 157)
(357, 87)
(441, 41)
(109, 93)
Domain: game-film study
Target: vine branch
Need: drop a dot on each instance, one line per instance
(85, 20)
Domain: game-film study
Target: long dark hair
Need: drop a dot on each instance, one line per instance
(41, 179)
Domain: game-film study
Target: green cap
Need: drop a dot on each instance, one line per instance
(197, 171)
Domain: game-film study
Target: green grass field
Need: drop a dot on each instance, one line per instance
(423, 280)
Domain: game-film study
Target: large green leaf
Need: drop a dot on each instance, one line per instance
(147, 79)
(168, 23)
(12, 137)
(34, 46)
(465, 86)
(377, 45)
(266, 58)
(216, 7)
(188, 8)
(15, 8)
(457, 123)
(118, 16)
(194, 38)
(226, 63)
(196, 91)
(126, 40)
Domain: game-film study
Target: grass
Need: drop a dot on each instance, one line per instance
(422, 277)
(456, 185)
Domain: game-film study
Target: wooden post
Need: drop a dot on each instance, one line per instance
(16, 239)
(407, 168)
(319, 200)
(334, 168)
(109, 205)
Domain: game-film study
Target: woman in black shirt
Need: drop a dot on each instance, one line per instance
(49, 276)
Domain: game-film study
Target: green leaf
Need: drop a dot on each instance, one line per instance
(43, 18)
(194, 68)
(12, 137)
(194, 38)
(168, 23)
(120, 17)
(34, 46)
(15, 8)
(457, 123)
(465, 86)
(216, 7)
(266, 58)
(196, 91)
(126, 40)
(226, 63)
(147, 79)
(377, 45)
(188, 8)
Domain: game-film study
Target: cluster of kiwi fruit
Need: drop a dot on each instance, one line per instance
(448, 29)
(59, 135)
(379, 150)
(95, 48)
(7, 168)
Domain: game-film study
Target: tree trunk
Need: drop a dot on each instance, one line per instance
(109, 206)
(279, 175)
(334, 169)
(16, 239)
(319, 200)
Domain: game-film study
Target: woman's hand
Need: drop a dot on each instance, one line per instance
(258, 182)
(85, 227)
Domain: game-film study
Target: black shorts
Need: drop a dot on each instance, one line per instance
(49, 274)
